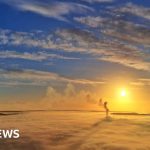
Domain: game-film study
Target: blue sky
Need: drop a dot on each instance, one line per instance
(82, 42)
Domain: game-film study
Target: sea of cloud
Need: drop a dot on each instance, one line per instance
(76, 130)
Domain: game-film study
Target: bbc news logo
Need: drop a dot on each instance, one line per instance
(9, 134)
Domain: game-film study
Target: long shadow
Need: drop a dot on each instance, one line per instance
(107, 119)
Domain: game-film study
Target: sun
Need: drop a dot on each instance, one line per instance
(123, 93)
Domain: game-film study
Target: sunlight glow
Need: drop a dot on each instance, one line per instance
(123, 93)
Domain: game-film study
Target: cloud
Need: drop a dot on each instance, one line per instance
(109, 50)
(126, 38)
(141, 82)
(137, 10)
(57, 10)
(25, 55)
(39, 78)
(98, 1)
(70, 97)
(74, 130)
(90, 21)
(38, 56)
(145, 81)
(112, 38)
(118, 28)
(126, 59)
(115, 49)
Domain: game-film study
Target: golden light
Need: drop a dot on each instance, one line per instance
(123, 93)
(123, 99)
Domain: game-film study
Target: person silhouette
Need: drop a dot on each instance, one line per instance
(106, 108)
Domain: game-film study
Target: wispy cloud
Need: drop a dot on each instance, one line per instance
(128, 44)
(98, 1)
(39, 78)
(118, 28)
(76, 40)
(137, 10)
(53, 9)
(109, 50)
(141, 82)
(28, 56)
(38, 56)
(90, 21)
(112, 38)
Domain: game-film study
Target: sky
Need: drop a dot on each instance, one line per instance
(67, 54)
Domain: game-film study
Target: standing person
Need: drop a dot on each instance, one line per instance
(106, 108)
